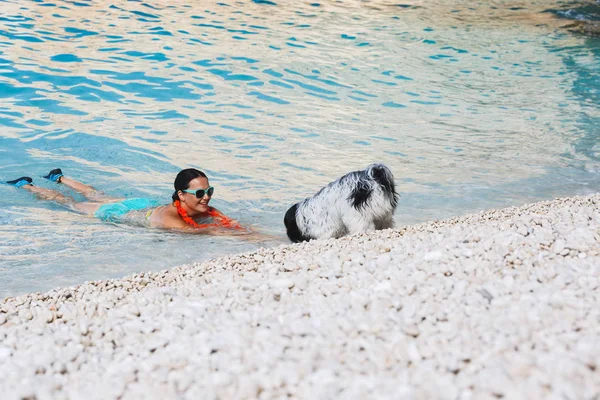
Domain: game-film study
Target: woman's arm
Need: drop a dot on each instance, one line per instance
(224, 220)
(223, 226)
(245, 232)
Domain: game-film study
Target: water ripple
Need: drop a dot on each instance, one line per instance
(274, 99)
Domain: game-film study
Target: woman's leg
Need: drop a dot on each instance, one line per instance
(86, 190)
(53, 195)
(56, 175)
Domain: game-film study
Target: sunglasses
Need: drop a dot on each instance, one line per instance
(201, 192)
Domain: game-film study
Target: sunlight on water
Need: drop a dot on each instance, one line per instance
(471, 105)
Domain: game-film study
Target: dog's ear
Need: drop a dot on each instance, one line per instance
(360, 195)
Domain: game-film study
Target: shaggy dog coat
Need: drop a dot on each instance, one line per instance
(355, 203)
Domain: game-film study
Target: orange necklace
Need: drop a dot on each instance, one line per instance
(220, 219)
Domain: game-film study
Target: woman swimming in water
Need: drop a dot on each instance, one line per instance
(189, 203)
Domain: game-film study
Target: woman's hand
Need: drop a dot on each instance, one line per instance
(262, 237)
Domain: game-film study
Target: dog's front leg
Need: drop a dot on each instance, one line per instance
(356, 222)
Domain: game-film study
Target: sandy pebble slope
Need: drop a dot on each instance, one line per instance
(504, 303)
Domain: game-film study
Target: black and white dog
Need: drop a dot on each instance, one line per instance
(356, 202)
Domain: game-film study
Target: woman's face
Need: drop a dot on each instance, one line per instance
(191, 201)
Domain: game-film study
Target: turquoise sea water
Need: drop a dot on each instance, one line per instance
(472, 106)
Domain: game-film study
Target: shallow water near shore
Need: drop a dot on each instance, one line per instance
(471, 106)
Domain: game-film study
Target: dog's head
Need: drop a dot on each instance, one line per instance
(384, 177)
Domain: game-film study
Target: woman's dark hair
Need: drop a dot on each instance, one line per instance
(183, 178)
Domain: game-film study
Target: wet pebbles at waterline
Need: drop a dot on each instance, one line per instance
(499, 304)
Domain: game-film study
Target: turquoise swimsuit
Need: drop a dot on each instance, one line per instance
(113, 212)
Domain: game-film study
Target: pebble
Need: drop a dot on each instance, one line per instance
(5, 352)
(282, 283)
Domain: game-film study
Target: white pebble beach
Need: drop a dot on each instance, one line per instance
(500, 304)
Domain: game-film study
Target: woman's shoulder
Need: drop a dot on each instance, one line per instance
(166, 217)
